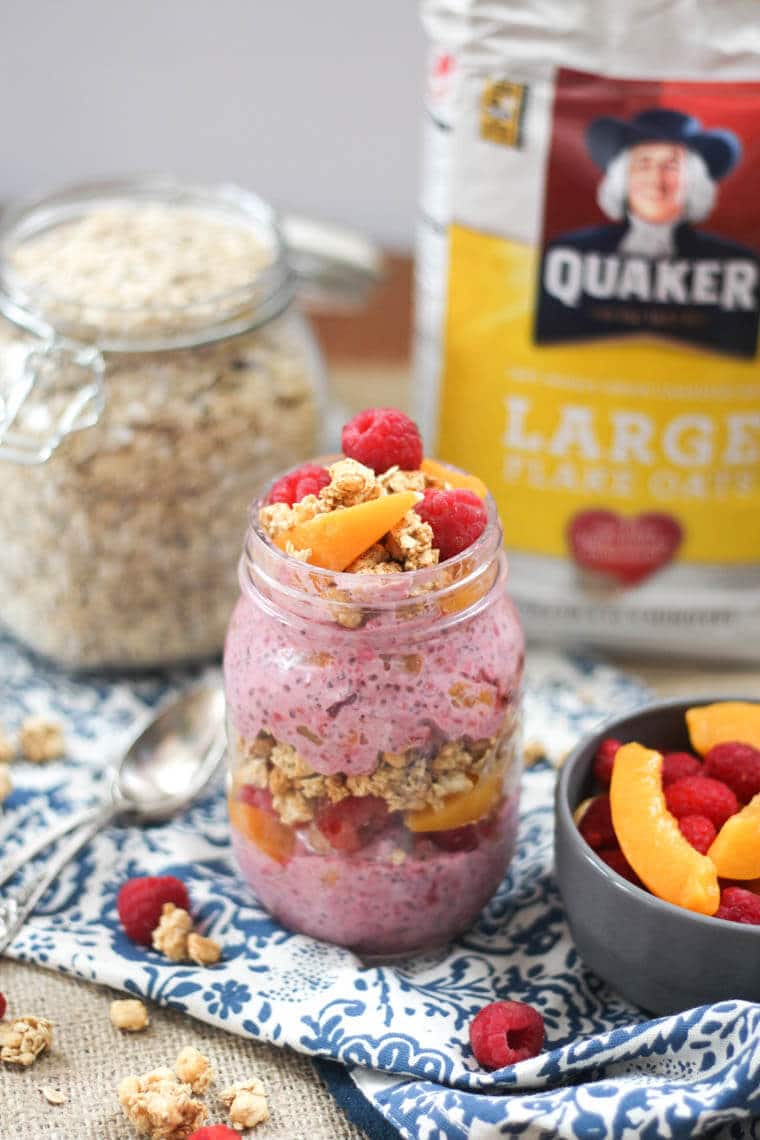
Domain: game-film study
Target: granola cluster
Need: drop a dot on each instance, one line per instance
(22, 1039)
(246, 1103)
(7, 747)
(194, 1069)
(162, 1106)
(129, 1014)
(6, 787)
(175, 938)
(407, 781)
(39, 739)
(408, 546)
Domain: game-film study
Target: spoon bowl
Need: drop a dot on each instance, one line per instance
(169, 762)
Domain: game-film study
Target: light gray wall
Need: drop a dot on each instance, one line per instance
(313, 103)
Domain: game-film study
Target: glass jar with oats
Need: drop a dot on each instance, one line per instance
(374, 705)
(153, 369)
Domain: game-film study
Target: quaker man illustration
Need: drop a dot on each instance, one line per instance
(652, 266)
(661, 175)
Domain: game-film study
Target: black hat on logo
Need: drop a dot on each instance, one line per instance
(607, 137)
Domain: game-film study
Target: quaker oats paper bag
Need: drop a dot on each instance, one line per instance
(587, 308)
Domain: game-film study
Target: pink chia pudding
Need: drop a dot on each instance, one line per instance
(373, 709)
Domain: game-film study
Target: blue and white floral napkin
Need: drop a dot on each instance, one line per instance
(401, 1030)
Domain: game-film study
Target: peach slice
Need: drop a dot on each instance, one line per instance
(735, 851)
(337, 538)
(726, 720)
(264, 830)
(459, 809)
(456, 479)
(465, 597)
(581, 810)
(650, 838)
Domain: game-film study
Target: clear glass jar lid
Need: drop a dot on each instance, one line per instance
(143, 265)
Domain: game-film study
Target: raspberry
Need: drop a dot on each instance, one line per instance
(457, 517)
(738, 905)
(215, 1132)
(604, 759)
(596, 824)
(615, 858)
(260, 798)
(737, 765)
(381, 438)
(352, 822)
(296, 485)
(701, 795)
(3, 1006)
(457, 838)
(676, 765)
(506, 1032)
(140, 900)
(699, 830)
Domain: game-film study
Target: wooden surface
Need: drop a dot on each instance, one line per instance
(378, 334)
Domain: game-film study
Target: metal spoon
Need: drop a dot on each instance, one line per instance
(162, 771)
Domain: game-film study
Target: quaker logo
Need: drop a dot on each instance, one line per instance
(653, 263)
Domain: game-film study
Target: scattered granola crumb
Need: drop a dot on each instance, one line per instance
(7, 748)
(41, 739)
(53, 1096)
(6, 787)
(203, 951)
(170, 936)
(160, 1106)
(397, 856)
(129, 1014)
(194, 1069)
(246, 1103)
(534, 750)
(23, 1039)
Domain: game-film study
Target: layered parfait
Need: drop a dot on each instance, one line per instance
(372, 669)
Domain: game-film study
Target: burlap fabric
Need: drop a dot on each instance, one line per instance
(89, 1057)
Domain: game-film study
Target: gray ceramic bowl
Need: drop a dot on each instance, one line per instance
(657, 955)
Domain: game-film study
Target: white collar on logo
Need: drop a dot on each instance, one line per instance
(649, 239)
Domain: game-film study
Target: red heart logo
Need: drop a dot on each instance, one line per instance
(628, 549)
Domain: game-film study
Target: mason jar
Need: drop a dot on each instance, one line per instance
(153, 370)
(373, 726)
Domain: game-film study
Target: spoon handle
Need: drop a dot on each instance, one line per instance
(15, 907)
(14, 863)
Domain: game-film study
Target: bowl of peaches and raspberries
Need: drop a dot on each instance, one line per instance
(658, 852)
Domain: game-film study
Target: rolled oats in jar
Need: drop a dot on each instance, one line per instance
(153, 369)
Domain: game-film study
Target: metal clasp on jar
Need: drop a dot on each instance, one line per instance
(60, 390)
